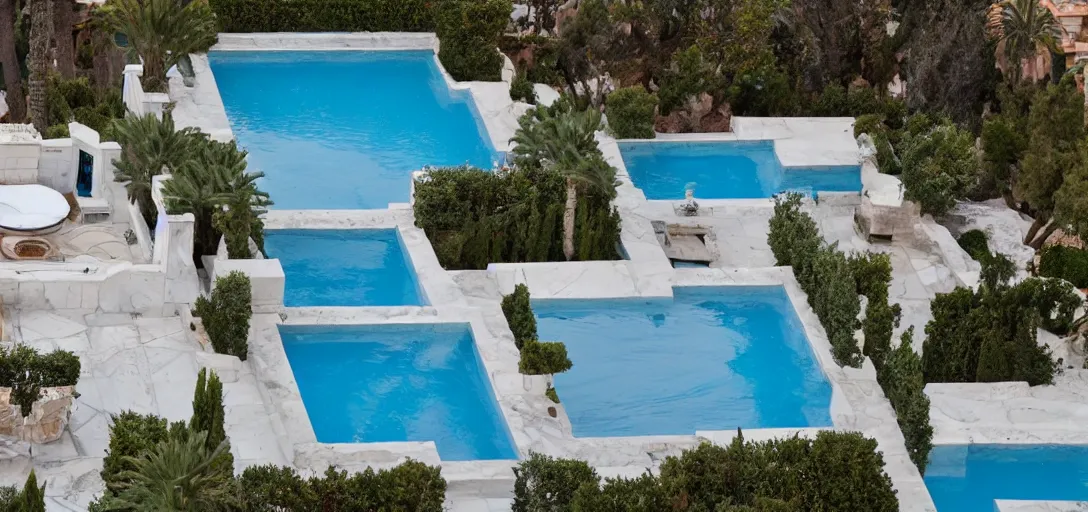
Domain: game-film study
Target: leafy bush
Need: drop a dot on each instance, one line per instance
(469, 31)
(57, 131)
(688, 76)
(474, 217)
(324, 15)
(131, 434)
(904, 383)
(1056, 301)
(823, 272)
(519, 315)
(881, 319)
(543, 358)
(209, 416)
(872, 273)
(552, 394)
(521, 89)
(26, 372)
(631, 113)
(412, 485)
(939, 168)
(1067, 263)
(642, 494)
(226, 315)
(544, 484)
(975, 243)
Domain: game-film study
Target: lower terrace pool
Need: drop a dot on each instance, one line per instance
(969, 478)
(384, 383)
(726, 170)
(345, 129)
(711, 358)
(350, 267)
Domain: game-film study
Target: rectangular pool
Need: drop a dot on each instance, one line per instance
(711, 358)
(345, 129)
(969, 478)
(384, 383)
(345, 267)
(726, 170)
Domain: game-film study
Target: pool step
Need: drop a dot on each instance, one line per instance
(484, 479)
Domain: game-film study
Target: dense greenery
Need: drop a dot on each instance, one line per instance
(903, 382)
(836, 471)
(149, 147)
(26, 372)
(989, 335)
(631, 113)
(1067, 263)
(939, 167)
(226, 314)
(324, 15)
(519, 315)
(537, 357)
(521, 89)
(30, 499)
(975, 243)
(468, 31)
(411, 485)
(823, 273)
(76, 100)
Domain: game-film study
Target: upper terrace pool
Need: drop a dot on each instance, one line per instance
(969, 478)
(711, 358)
(726, 170)
(345, 129)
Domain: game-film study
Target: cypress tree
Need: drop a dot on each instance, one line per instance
(33, 496)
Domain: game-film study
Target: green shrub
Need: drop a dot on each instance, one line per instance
(545, 484)
(57, 368)
(521, 89)
(33, 497)
(869, 123)
(1067, 263)
(519, 315)
(543, 358)
(939, 168)
(412, 485)
(57, 131)
(631, 113)
(131, 434)
(1056, 301)
(975, 243)
(26, 371)
(469, 31)
(904, 383)
(324, 15)
(226, 315)
(881, 319)
(474, 217)
(209, 415)
(872, 273)
(642, 494)
(688, 76)
(552, 394)
(91, 118)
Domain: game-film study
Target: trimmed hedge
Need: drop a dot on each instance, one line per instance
(521, 89)
(412, 485)
(631, 113)
(836, 471)
(537, 357)
(324, 15)
(1067, 263)
(469, 32)
(975, 243)
(903, 383)
(26, 372)
(226, 315)
(519, 315)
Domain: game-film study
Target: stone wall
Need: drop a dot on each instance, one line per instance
(19, 162)
(47, 419)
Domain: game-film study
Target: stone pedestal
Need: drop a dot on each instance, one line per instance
(47, 419)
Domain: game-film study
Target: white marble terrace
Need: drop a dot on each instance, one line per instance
(149, 363)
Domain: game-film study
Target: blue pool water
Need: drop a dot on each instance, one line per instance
(382, 383)
(713, 358)
(357, 267)
(344, 130)
(1011, 472)
(726, 170)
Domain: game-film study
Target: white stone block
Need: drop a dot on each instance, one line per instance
(265, 276)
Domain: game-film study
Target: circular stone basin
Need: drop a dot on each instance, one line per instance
(31, 207)
(20, 248)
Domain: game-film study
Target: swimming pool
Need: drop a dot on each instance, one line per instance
(726, 170)
(384, 383)
(711, 358)
(349, 267)
(969, 478)
(345, 129)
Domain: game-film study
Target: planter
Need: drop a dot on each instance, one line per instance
(47, 419)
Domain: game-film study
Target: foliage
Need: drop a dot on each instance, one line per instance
(160, 33)
(939, 168)
(997, 270)
(209, 416)
(1067, 263)
(545, 484)
(131, 434)
(687, 76)
(903, 382)
(823, 272)
(835, 471)
(552, 394)
(469, 32)
(521, 89)
(975, 243)
(324, 15)
(412, 485)
(179, 473)
(1025, 27)
(57, 131)
(631, 113)
(33, 497)
(1055, 300)
(543, 358)
(226, 315)
(1071, 200)
(149, 147)
(519, 315)
(872, 273)
(26, 371)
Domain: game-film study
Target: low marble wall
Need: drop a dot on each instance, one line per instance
(47, 419)
(266, 279)
(326, 41)
(1039, 506)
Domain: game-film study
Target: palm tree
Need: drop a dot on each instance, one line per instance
(178, 474)
(41, 32)
(1024, 27)
(150, 146)
(9, 61)
(161, 32)
(64, 12)
(562, 140)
